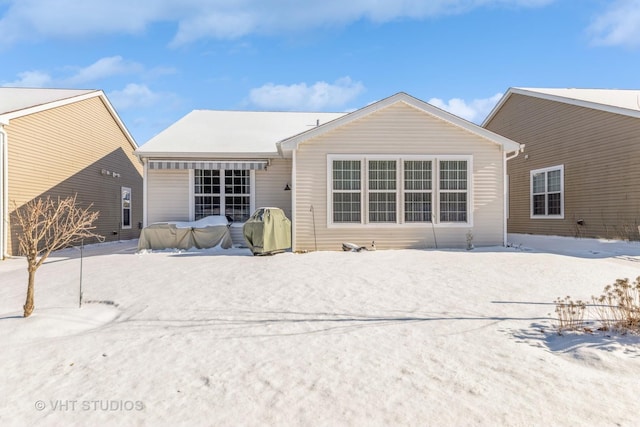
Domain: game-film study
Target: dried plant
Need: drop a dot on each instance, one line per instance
(570, 314)
(618, 308)
(48, 225)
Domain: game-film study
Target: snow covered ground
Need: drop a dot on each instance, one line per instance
(406, 337)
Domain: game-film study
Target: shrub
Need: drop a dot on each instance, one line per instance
(570, 314)
(618, 308)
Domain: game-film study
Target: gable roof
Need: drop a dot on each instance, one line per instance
(619, 101)
(292, 142)
(230, 133)
(18, 102)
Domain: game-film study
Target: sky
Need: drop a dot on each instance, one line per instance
(157, 60)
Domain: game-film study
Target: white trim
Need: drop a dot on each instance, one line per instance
(70, 100)
(145, 182)
(122, 208)
(534, 93)
(192, 195)
(294, 141)
(294, 194)
(546, 171)
(252, 192)
(222, 194)
(435, 191)
(4, 192)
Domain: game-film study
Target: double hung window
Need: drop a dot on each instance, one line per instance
(547, 192)
(397, 190)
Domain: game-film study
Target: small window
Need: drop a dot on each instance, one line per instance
(126, 207)
(547, 192)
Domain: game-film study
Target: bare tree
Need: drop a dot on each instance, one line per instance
(48, 225)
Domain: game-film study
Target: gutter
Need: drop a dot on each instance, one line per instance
(4, 190)
(505, 196)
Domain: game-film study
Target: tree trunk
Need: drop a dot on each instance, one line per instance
(28, 305)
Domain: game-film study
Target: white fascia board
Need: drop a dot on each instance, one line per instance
(507, 144)
(207, 155)
(562, 99)
(497, 107)
(5, 118)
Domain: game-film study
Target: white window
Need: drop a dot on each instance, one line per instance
(453, 191)
(346, 184)
(222, 192)
(547, 192)
(126, 207)
(387, 190)
(418, 194)
(382, 190)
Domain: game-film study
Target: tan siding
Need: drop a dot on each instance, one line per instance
(62, 151)
(600, 152)
(270, 185)
(398, 129)
(168, 195)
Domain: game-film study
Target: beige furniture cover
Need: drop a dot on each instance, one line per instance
(267, 231)
(207, 232)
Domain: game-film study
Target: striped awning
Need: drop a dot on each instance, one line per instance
(209, 165)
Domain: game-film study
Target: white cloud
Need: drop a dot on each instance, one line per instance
(103, 68)
(618, 25)
(475, 110)
(134, 96)
(196, 19)
(30, 79)
(317, 97)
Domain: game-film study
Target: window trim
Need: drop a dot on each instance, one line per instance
(400, 190)
(546, 192)
(192, 196)
(122, 208)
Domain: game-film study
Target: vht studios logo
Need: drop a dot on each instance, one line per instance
(90, 405)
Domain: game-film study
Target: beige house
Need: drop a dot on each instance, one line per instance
(59, 142)
(579, 173)
(399, 172)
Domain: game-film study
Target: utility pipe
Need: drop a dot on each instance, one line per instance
(506, 190)
(4, 191)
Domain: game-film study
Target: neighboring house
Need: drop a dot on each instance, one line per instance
(399, 172)
(579, 174)
(63, 142)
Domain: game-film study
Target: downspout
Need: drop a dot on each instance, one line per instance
(294, 191)
(505, 196)
(4, 191)
(145, 167)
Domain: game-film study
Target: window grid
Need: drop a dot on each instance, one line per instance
(417, 191)
(222, 192)
(346, 183)
(453, 191)
(382, 186)
(546, 192)
(399, 187)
